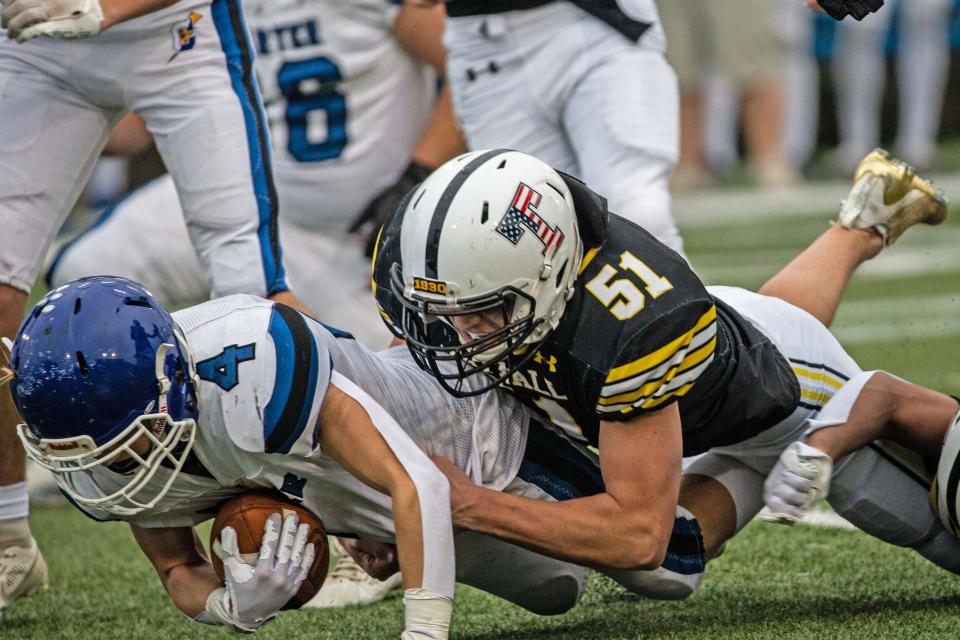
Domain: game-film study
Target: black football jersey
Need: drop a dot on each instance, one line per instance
(640, 332)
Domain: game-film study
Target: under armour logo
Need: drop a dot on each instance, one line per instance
(551, 361)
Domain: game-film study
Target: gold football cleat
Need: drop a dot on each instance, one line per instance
(889, 197)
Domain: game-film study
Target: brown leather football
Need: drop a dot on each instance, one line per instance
(247, 514)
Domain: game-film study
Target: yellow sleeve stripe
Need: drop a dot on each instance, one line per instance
(587, 258)
(655, 402)
(818, 377)
(819, 397)
(691, 360)
(662, 354)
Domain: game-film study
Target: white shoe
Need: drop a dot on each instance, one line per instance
(349, 585)
(799, 480)
(889, 197)
(23, 573)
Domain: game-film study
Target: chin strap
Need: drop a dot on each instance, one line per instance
(6, 367)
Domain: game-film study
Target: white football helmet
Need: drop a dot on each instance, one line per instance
(489, 232)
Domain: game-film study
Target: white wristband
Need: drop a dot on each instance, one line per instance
(426, 614)
(216, 613)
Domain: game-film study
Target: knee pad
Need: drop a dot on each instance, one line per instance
(942, 549)
(659, 584)
(555, 596)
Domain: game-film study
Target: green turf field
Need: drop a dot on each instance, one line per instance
(901, 314)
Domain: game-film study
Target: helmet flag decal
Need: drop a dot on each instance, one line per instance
(522, 215)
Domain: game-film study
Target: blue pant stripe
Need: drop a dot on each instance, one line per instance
(236, 45)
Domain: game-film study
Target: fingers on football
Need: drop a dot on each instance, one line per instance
(309, 553)
(270, 539)
(228, 542)
(288, 536)
(235, 569)
(299, 544)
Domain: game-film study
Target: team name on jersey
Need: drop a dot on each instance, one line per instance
(533, 380)
(288, 36)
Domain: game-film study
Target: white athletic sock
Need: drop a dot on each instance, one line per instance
(14, 502)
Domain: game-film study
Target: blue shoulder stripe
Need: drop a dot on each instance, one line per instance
(291, 402)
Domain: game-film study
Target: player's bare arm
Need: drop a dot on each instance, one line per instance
(360, 436)
(347, 434)
(253, 594)
(178, 557)
(419, 30)
(872, 406)
(640, 461)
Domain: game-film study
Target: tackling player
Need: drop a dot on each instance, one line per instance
(351, 97)
(156, 420)
(500, 265)
(69, 69)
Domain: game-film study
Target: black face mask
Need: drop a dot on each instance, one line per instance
(507, 342)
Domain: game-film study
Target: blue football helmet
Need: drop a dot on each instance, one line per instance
(105, 384)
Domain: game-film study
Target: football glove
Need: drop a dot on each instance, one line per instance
(800, 478)
(426, 615)
(859, 9)
(255, 593)
(383, 204)
(65, 19)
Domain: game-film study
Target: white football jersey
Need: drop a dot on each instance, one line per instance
(346, 104)
(263, 376)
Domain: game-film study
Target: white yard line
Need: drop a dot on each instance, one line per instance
(902, 262)
(714, 206)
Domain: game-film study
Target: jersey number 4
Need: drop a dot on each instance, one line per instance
(309, 87)
(621, 296)
(223, 369)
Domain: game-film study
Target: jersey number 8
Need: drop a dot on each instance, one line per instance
(309, 86)
(621, 296)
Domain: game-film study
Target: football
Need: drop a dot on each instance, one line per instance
(247, 514)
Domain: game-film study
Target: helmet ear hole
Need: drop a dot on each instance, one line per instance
(562, 270)
(82, 363)
(76, 306)
(485, 212)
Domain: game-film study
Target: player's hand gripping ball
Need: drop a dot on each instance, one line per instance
(247, 514)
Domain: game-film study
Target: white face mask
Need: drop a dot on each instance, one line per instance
(76, 460)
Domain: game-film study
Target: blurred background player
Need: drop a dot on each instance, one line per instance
(356, 121)
(351, 94)
(185, 68)
(735, 41)
(914, 35)
(582, 85)
(859, 71)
